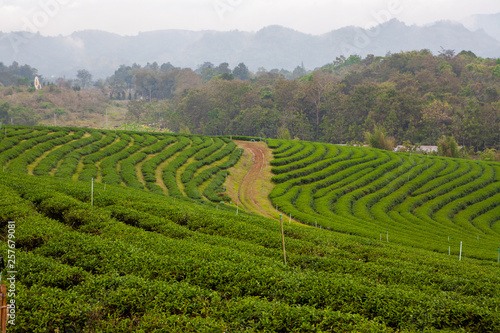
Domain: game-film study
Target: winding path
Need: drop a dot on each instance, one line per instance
(256, 184)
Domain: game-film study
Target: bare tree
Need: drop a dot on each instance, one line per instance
(84, 76)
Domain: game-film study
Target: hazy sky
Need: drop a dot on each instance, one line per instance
(127, 17)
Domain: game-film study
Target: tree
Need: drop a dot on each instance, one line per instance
(84, 76)
(4, 112)
(241, 72)
(447, 146)
(137, 110)
(207, 71)
(283, 133)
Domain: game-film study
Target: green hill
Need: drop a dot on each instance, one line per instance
(417, 200)
(124, 258)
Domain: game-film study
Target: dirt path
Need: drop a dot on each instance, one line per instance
(256, 183)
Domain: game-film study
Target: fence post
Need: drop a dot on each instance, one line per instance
(92, 193)
(283, 239)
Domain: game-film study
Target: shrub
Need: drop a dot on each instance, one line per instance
(379, 141)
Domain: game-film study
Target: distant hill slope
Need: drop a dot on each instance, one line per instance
(271, 47)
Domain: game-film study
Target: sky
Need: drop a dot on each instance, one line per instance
(127, 17)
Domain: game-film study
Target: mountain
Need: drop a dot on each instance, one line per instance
(489, 23)
(271, 47)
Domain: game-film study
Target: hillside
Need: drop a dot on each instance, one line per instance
(156, 255)
(417, 200)
(420, 200)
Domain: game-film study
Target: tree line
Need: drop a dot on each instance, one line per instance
(413, 96)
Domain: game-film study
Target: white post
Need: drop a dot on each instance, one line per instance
(387, 236)
(236, 209)
(92, 193)
(283, 239)
(460, 255)
(290, 221)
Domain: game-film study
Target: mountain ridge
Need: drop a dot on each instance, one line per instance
(271, 47)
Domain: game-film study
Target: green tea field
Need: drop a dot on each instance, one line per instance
(148, 245)
(416, 200)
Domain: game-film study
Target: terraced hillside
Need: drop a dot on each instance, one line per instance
(177, 165)
(141, 262)
(123, 258)
(421, 201)
(417, 200)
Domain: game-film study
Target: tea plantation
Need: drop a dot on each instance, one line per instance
(124, 258)
(416, 200)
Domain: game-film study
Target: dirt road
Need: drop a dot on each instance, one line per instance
(256, 184)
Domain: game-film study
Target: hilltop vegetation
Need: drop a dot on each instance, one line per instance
(415, 96)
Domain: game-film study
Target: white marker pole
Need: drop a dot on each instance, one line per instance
(290, 221)
(387, 236)
(236, 209)
(460, 255)
(283, 239)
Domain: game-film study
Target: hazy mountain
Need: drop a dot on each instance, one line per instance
(271, 47)
(490, 23)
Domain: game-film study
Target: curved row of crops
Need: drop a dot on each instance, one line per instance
(417, 200)
(135, 261)
(177, 165)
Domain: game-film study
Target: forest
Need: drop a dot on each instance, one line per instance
(415, 97)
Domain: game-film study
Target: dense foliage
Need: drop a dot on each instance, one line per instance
(414, 96)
